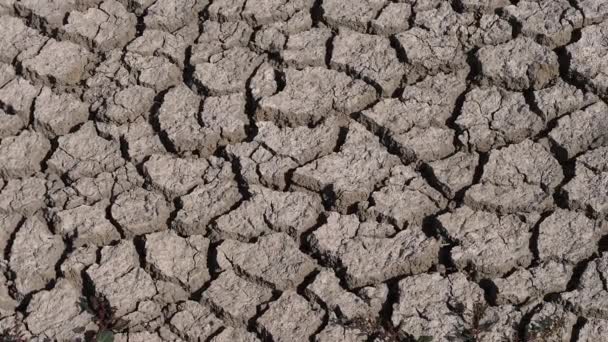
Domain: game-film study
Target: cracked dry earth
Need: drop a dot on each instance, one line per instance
(299, 170)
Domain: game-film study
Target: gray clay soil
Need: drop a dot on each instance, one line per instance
(304, 170)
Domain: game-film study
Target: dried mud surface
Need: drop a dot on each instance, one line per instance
(304, 170)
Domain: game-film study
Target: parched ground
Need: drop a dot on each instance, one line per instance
(304, 170)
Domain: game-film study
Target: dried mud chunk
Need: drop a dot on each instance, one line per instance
(428, 53)
(593, 330)
(155, 72)
(405, 199)
(335, 332)
(302, 144)
(368, 259)
(88, 190)
(204, 204)
(85, 154)
(327, 290)
(169, 45)
(520, 177)
(587, 58)
(590, 297)
(594, 11)
(234, 334)
(49, 14)
(7, 303)
(355, 16)
(348, 176)
(226, 10)
(560, 99)
(580, 131)
(174, 176)
(415, 130)
(72, 268)
(269, 39)
(10, 124)
(24, 196)
(489, 244)
(569, 236)
(435, 96)
(34, 253)
(494, 117)
(587, 190)
(518, 65)
(551, 323)
(268, 11)
(290, 318)
(369, 57)
(312, 94)
(127, 105)
(226, 72)
(17, 97)
(425, 302)
(549, 22)
(139, 211)
(275, 152)
(118, 278)
(225, 117)
(177, 117)
(7, 7)
(56, 313)
(105, 28)
(86, 225)
(393, 18)
(274, 259)
(528, 284)
(194, 322)
(177, 259)
(236, 298)
(56, 115)
(219, 36)
(487, 6)
(498, 323)
(8, 223)
(22, 155)
(167, 15)
(454, 173)
(59, 62)
(267, 210)
(18, 39)
(308, 48)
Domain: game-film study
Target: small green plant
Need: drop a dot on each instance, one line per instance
(103, 315)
